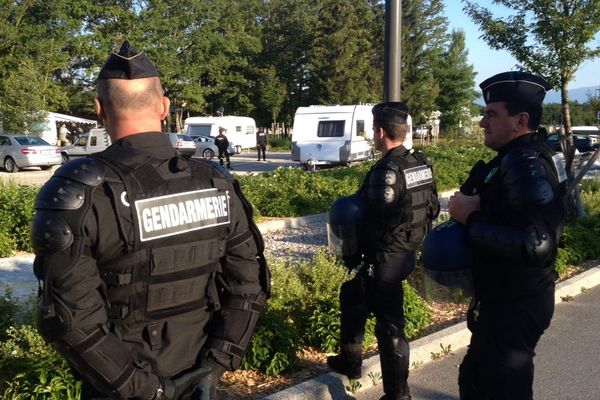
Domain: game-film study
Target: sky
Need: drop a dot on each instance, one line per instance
(488, 62)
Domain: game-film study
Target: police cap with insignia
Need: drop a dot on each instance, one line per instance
(392, 111)
(128, 63)
(515, 86)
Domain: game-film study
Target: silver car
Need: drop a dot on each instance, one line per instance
(206, 147)
(19, 151)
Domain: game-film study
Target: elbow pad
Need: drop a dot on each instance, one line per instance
(232, 329)
(529, 247)
(525, 179)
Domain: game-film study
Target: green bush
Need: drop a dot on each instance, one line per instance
(305, 301)
(16, 214)
(279, 143)
(38, 372)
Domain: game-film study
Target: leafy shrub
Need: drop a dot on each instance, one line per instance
(40, 372)
(580, 239)
(16, 214)
(305, 301)
(279, 143)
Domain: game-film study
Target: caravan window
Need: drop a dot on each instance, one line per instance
(360, 128)
(331, 129)
(199, 130)
(249, 129)
(238, 128)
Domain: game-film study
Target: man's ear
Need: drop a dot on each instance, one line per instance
(99, 109)
(523, 120)
(166, 103)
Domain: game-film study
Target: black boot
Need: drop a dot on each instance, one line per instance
(348, 362)
(393, 356)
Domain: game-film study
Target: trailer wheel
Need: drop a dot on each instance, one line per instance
(64, 157)
(238, 149)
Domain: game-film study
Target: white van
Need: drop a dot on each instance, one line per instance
(241, 131)
(337, 134)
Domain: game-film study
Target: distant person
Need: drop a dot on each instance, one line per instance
(222, 144)
(514, 222)
(261, 143)
(63, 135)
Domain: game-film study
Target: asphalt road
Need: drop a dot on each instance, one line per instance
(567, 363)
(243, 163)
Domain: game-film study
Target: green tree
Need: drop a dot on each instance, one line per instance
(548, 37)
(456, 79)
(341, 72)
(423, 42)
(39, 47)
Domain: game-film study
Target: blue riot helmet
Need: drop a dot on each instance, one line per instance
(346, 219)
(447, 257)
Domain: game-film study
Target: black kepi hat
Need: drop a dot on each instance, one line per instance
(515, 86)
(392, 111)
(128, 63)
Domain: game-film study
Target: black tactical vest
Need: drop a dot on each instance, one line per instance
(405, 228)
(174, 228)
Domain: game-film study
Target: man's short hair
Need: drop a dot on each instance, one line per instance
(534, 111)
(221, 129)
(392, 116)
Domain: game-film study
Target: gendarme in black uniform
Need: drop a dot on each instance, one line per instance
(151, 269)
(401, 201)
(515, 236)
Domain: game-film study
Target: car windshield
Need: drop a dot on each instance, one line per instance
(31, 141)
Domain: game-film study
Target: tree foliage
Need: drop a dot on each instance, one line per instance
(251, 57)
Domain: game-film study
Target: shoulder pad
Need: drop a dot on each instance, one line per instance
(525, 178)
(381, 187)
(50, 233)
(87, 170)
(66, 189)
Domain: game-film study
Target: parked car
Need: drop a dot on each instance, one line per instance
(205, 147)
(182, 143)
(19, 151)
(204, 142)
(582, 143)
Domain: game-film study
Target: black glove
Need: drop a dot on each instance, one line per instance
(174, 389)
(206, 389)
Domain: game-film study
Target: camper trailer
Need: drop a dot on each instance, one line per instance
(337, 134)
(241, 131)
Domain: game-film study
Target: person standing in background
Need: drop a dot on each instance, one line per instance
(261, 143)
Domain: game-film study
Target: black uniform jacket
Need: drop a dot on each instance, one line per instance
(508, 274)
(166, 346)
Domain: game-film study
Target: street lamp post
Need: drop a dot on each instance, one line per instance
(392, 53)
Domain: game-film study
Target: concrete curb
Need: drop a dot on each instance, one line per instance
(422, 351)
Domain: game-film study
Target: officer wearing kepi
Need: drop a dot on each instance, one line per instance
(153, 273)
(380, 228)
(513, 220)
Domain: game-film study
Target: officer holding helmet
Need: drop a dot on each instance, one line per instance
(395, 206)
(152, 268)
(513, 220)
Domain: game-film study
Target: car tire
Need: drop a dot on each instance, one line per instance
(208, 154)
(64, 157)
(238, 149)
(10, 165)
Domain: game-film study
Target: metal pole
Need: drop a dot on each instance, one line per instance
(392, 53)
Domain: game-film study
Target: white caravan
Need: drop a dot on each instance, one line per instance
(338, 134)
(241, 131)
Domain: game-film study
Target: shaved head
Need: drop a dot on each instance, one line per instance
(130, 97)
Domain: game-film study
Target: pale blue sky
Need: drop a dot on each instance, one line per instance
(488, 62)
